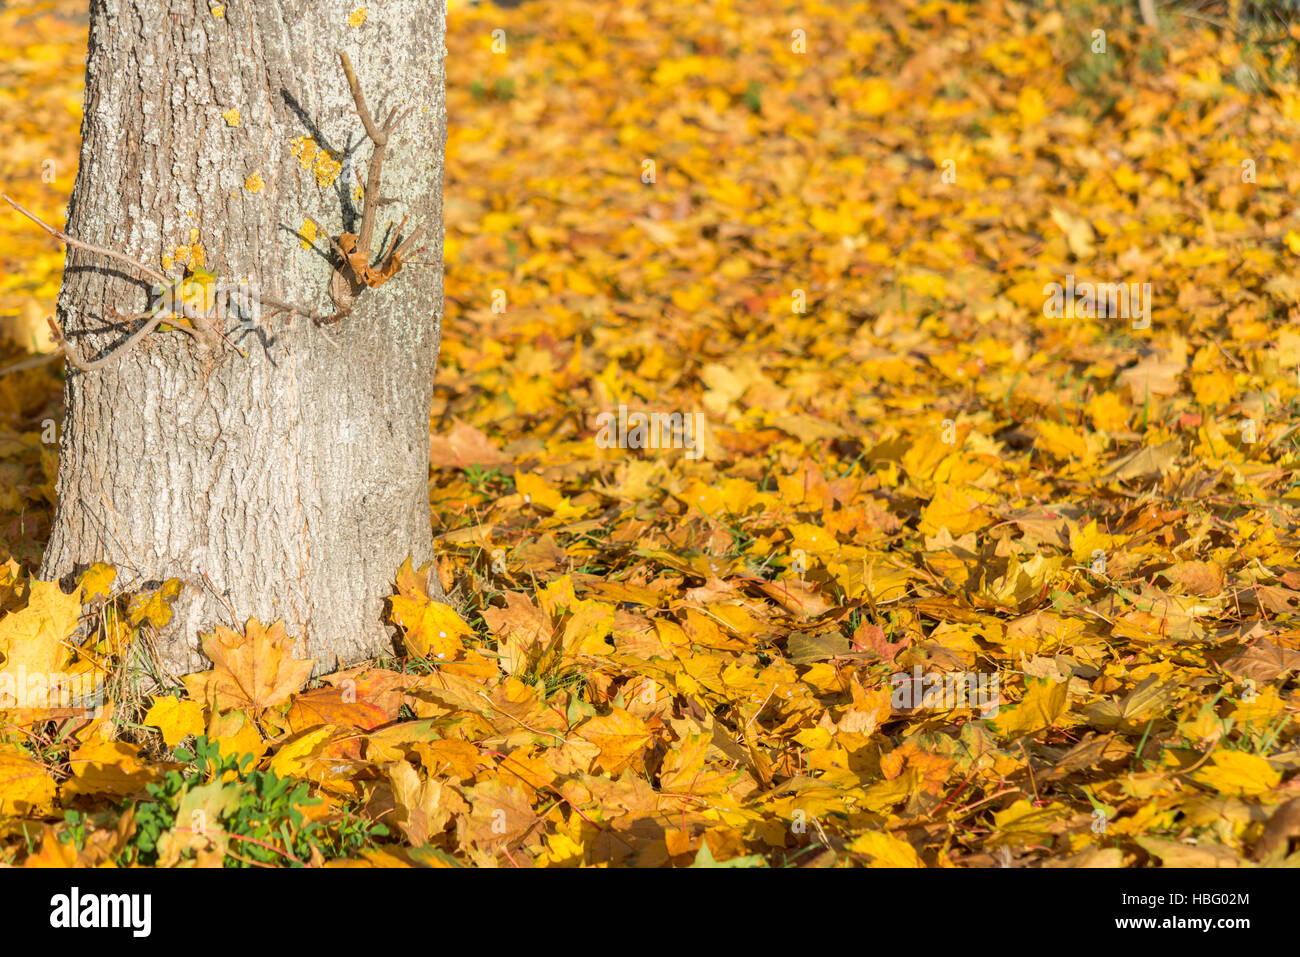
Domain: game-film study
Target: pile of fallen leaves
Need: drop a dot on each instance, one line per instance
(829, 230)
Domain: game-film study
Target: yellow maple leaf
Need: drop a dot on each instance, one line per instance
(107, 767)
(1239, 773)
(521, 629)
(97, 582)
(1078, 233)
(155, 607)
(35, 638)
(877, 96)
(423, 807)
(586, 630)
(620, 735)
(953, 508)
(251, 671)
(1043, 703)
(923, 771)
(432, 629)
(1108, 412)
(536, 491)
(26, 787)
(175, 718)
(1030, 106)
(1023, 584)
(812, 538)
(1214, 388)
(562, 851)
(1087, 540)
(1064, 442)
(1025, 822)
(1266, 707)
(706, 498)
(885, 850)
(236, 735)
(12, 586)
(294, 756)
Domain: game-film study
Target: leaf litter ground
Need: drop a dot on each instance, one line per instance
(939, 578)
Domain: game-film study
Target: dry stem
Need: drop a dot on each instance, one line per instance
(160, 279)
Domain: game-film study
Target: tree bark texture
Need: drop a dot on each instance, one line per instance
(290, 484)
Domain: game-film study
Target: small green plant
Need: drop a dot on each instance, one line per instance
(502, 90)
(483, 480)
(75, 832)
(260, 812)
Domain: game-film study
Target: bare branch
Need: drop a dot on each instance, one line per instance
(378, 136)
(33, 363)
(89, 247)
(402, 251)
(158, 277)
(74, 357)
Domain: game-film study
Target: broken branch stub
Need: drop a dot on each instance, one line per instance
(353, 249)
(204, 329)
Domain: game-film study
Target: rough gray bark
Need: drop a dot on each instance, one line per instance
(294, 481)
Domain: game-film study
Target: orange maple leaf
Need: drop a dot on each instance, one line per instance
(251, 671)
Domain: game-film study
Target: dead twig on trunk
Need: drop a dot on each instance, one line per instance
(33, 363)
(74, 357)
(63, 237)
(351, 277)
(353, 249)
(203, 337)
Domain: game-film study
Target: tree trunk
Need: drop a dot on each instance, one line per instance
(292, 483)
